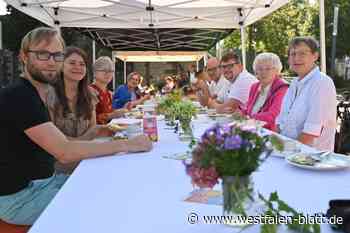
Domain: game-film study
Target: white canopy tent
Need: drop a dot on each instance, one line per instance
(224, 14)
(153, 14)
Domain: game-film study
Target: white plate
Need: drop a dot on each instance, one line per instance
(126, 121)
(332, 162)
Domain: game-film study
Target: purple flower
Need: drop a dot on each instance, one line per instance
(232, 142)
(207, 135)
(219, 135)
(211, 134)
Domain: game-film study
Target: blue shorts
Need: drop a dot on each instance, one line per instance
(25, 206)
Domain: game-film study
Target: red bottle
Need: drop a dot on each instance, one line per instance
(150, 125)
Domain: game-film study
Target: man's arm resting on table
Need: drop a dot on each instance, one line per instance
(307, 139)
(48, 137)
(230, 105)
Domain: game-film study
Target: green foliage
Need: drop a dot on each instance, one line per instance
(183, 111)
(276, 208)
(166, 102)
(343, 45)
(276, 142)
(273, 33)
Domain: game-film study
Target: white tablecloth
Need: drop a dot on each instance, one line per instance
(144, 193)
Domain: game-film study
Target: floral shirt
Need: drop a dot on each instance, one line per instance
(104, 106)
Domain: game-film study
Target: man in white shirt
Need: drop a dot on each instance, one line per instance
(309, 108)
(240, 82)
(219, 84)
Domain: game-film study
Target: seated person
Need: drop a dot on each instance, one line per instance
(189, 93)
(126, 96)
(104, 72)
(169, 85)
(71, 103)
(240, 83)
(309, 108)
(201, 86)
(218, 83)
(265, 96)
(30, 143)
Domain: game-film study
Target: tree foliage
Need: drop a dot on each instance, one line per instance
(343, 45)
(274, 32)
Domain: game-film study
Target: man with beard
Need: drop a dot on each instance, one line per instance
(29, 141)
(240, 82)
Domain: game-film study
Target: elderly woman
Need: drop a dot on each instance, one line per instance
(126, 95)
(309, 108)
(265, 96)
(104, 72)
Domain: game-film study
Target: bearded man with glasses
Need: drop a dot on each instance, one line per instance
(30, 143)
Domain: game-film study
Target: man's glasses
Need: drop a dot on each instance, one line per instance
(106, 71)
(45, 55)
(230, 66)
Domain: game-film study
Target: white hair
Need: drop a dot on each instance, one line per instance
(269, 58)
(103, 63)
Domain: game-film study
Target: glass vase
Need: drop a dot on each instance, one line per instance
(238, 200)
(186, 131)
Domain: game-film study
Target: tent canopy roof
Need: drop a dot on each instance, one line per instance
(150, 24)
(163, 39)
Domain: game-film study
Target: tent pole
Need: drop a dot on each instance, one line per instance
(93, 51)
(0, 35)
(243, 47)
(114, 74)
(197, 65)
(322, 36)
(124, 72)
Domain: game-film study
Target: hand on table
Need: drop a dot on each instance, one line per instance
(102, 131)
(139, 143)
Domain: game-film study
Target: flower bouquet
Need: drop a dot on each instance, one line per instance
(231, 153)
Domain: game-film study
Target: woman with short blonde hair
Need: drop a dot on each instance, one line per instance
(104, 73)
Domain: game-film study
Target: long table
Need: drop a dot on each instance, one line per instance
(144, 193)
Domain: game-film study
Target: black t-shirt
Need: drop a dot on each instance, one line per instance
(21, 160)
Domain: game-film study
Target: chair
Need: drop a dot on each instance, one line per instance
(11, 228)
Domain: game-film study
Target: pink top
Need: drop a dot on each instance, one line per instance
(272, 106)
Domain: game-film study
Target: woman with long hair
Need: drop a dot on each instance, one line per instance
(71, 103)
